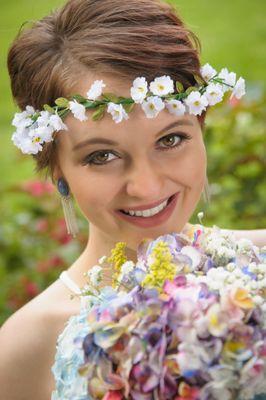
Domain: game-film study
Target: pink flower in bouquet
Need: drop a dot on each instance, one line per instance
(113, 395)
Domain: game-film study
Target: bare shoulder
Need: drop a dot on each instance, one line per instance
(28, 345)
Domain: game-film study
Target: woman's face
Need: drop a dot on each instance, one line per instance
(149, 161)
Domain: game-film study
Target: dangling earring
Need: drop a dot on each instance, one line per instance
(206, 192)
(68, 207)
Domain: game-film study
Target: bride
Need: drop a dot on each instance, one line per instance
(134, 173)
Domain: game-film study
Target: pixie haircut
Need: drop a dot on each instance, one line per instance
(125, 38)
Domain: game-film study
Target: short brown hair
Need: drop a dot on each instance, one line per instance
(128, 38)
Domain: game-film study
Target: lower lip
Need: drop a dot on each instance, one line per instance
(149, 222)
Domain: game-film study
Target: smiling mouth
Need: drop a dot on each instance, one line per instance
(149, 212)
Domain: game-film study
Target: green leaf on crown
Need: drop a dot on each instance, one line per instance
(79, 98)
(179, 87)
(121, 99)
(62, 102)
(191, 89)
(128, 107)
(99, 113)
(111, 97)
(48, 108)
(199, 80)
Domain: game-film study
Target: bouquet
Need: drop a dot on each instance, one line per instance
(185, 322)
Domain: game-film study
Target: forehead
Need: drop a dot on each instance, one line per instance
(125, 131)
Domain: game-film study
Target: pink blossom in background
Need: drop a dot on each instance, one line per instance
(37, 188)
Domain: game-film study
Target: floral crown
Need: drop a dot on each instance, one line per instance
(34, 128)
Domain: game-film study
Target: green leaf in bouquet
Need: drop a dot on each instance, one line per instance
(99, 113)
(62, 102)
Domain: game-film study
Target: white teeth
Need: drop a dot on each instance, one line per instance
(148, 213)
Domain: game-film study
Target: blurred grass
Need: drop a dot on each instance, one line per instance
(232, 34)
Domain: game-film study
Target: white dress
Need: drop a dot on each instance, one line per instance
(69, 384)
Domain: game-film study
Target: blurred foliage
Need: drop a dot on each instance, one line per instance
(34, 244)
(235, 140)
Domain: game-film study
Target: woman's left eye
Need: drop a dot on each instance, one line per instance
(174, 140)
(101, 157)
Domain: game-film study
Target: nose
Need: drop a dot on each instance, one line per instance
(145, 182)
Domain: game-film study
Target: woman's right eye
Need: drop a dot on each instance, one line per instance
(97, 158)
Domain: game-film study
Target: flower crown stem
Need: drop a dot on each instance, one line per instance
(35, 128)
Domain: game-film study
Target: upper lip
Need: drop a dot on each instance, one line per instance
(146, 206)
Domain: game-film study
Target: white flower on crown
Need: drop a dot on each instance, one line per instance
(56, 122)
(78, 110)
(117, 111)
(239, 89)
(47, 119)
(196, 102)
(22, 119)
(95, 90)
(214, 94)
(229, 79)
(208, 72)
(162, 86)
(175, 107)
(41, 134)
(31, 147)
(43, 119)
(152, 106)
(139, 90)
(22, 140)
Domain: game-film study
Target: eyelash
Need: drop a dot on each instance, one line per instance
(89, 159)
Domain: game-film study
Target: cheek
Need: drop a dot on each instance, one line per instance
(92, 191)
(190, 168)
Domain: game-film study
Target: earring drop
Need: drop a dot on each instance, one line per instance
(68, 207)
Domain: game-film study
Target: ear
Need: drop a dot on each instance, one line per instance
(56, 174)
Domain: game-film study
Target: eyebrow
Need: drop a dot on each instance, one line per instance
(99, 140)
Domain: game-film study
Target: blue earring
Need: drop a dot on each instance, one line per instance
(68, 207)
(63, 187)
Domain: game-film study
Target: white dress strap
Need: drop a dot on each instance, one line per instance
(69, 283)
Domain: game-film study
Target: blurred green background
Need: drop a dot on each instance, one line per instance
(34, 247)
